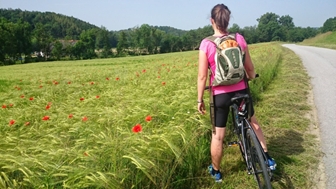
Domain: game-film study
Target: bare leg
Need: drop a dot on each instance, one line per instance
(257, 129)
(216, 147)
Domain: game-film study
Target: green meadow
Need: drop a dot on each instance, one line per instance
(133, 123)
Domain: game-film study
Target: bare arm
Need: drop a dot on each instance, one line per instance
(249, 68)
(201, 80)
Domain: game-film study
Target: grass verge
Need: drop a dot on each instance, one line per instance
(283, 111)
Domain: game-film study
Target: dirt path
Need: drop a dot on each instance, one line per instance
(321, 67)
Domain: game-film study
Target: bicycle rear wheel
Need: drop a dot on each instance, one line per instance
(257, 160)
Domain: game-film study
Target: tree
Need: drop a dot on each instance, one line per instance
(296, 34)
(157, 36)
(250, 34)
(122, 43)
(57, 50)
(5, 34)
(287, 25)
(103, 42)
(192, 39)
(78, 50)
(22, 35)
(171, 43)
(329, 25)
(88, 41)
(235, 29)
(43, 40)
(287, 22)
(165, 46)
(268, 27)
(143, 38)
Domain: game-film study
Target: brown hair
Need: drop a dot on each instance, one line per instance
(221, 16)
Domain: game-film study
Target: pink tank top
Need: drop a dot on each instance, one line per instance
(210, 49)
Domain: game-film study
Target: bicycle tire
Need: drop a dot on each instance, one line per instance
(257, 160)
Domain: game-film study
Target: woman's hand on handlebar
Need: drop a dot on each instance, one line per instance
(249, 79)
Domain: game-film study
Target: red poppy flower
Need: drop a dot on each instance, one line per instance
(4, 106)
(148, 118)
(137, 128)
(163, 83)
(31, 98)
(55, 82)
(11, 105)
(144, 70)
(40, 86)
(69, 82)
(117, 78)
(84, 118)
(81, 99)
(97, 96)
(27, 123)
(45, 118)
(107, 78)
(92, 83)
(22, 96)
(48, 107)
(11, 122)
(70, 116)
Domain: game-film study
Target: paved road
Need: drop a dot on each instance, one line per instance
(321, 66)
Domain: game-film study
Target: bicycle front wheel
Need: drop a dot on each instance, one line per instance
(257, 160)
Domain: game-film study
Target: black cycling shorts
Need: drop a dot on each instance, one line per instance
(222, 104)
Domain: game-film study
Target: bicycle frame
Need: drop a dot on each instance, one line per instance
(239, 119)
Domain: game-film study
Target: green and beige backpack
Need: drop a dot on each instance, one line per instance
(228, 59)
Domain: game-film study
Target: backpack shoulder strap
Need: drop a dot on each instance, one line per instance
(232, 35)
(211, 38)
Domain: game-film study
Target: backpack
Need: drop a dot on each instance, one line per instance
(228, 60)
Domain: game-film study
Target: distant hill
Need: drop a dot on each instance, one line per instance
(171, 30)
(60, 25)
(326, 40)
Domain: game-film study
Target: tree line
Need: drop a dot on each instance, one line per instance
(35, 36)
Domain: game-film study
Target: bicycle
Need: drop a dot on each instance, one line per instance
(249, 145)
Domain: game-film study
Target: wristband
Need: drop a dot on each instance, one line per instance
(200, 101)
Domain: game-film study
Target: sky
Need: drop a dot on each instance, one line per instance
(117, 15)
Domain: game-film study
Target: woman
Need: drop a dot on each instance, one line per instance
(220, 16)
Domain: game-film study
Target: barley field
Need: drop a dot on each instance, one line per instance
(114, 123)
